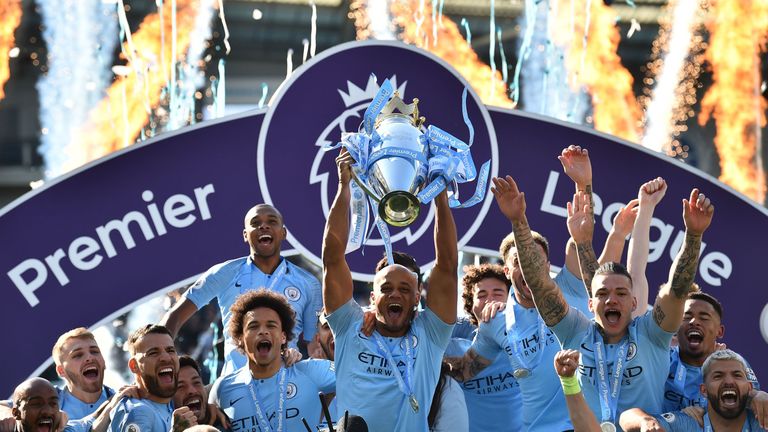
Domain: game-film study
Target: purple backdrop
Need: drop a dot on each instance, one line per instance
(64, 253)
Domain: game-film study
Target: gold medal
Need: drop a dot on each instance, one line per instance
(607, 427)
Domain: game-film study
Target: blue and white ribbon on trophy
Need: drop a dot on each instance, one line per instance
(446, 163)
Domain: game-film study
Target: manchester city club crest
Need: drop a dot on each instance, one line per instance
(318, 103)
(631, 351)
(292, 293)
(290, 390)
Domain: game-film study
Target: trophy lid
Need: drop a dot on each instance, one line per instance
(396, 107)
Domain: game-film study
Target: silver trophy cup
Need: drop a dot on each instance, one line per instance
(393, 182)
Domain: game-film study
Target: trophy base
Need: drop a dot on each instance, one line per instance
(399, 208)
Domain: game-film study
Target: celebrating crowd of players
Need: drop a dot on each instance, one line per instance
(580, 351)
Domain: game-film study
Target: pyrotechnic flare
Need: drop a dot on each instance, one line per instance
(143, 86)
(415, 25)
(738, 31)
(587, 29)
(10, 17)
(79, 60)
(676, 65)
(544, 75)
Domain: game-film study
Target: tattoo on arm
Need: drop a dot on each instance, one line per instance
(534, 267)
(552, 308)
(588, 191)
(467, 367)
(658, 314)
(684, 268)
(587, 264)
(546, 295)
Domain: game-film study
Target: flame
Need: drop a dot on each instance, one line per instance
(416, 26)
(677, 56)
(594, 64)
(737, 35)
(10, 17)
(119, 118)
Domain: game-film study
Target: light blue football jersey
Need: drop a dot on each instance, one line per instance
(141, 415)
(366, 385)
(645, 368)
(494, 390)
(234, 394)
(77, 409)
(228, 280)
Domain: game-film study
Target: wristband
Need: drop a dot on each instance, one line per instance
(570, 385)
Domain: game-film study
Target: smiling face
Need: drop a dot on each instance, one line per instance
(395, 296)
(36, 406)
(699, 331)
(263, 337)
(156, 365)
(264, 231)
(726, 387)
(488, 289)
(612, 302)
(82, 365)
(191, 392)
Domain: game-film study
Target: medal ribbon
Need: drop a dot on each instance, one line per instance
(405, 384)
(609, 396)
(681, 373)
(263, 421)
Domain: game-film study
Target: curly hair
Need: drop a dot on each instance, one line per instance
(509, 242)
(474, 274)
(257, 299)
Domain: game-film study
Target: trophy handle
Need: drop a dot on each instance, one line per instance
(364, 187)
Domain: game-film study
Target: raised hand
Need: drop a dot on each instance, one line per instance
(580, 223)
(183, 418)
(510, 200)
(566, 362)
(624, 220)
(652, 192)
(576, 165)
(344, 163)
(369, 322)
(291, 356)
(697, 213)
(490, 310)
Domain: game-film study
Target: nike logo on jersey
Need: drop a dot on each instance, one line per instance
(238, 284)
(234, 401)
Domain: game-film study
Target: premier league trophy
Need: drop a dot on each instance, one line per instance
(400, 165)
(400, 169)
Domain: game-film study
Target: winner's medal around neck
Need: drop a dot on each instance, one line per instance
(520, 373)
(607, 427)
(414, 403)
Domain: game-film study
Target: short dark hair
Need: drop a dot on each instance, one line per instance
(188, 361)
(700, 295)
(139, 334)
(611, 268)
(405, 260)
(474, 274)
(256, 299)
(509, 242)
